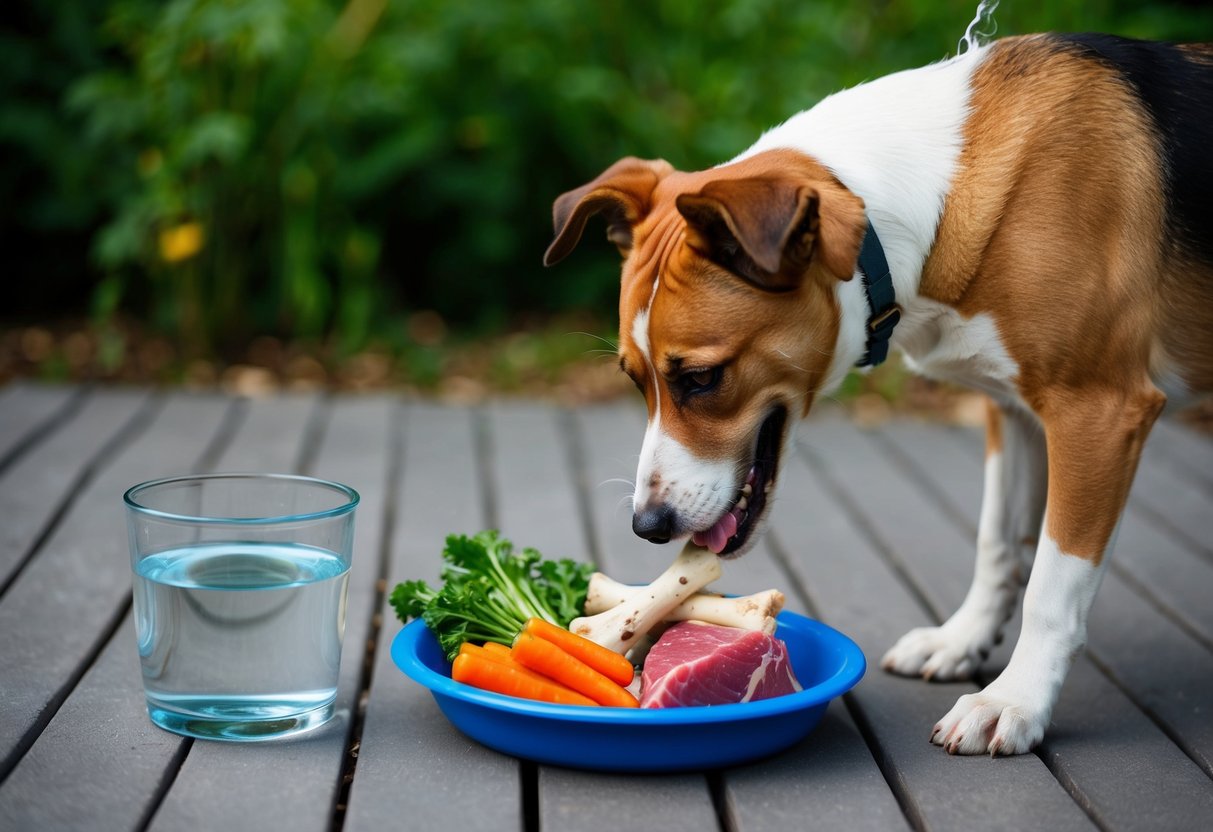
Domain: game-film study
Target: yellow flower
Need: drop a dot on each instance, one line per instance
(181, 242)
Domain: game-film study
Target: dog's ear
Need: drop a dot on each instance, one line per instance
(621, 193)
(768, 229)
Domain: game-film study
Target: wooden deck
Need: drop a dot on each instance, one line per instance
(1131, 746)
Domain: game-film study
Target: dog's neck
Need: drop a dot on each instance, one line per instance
(895, 142)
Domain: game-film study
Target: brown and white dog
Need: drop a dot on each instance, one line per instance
(1045, 206)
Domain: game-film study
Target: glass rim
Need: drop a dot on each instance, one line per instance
(132, 493)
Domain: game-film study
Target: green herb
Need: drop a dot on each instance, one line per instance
(489, 591)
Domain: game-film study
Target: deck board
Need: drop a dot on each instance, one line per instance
(1090, 769)
(292, 786)
(1174, 578)
(72, 594)
(873, 531)
(1164, 669)
(413, 764)
(100, 748)
(43, 481)
(1185, 450)
(535, 505)
(30, 411)
(855, 589)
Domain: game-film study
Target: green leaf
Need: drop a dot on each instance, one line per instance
(490, 591)
(222, 137)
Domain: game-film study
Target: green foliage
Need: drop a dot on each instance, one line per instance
(313, 168)
(489, 592)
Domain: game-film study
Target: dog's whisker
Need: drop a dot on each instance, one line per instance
(614, 346)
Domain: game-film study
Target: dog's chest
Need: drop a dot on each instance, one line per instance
(940, 343)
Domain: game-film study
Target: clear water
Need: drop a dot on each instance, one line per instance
(238, 639)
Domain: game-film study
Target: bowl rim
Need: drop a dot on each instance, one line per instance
(846, 676)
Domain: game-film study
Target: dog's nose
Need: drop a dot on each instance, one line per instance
(655, 525)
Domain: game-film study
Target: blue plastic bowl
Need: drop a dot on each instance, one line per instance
(825, 661)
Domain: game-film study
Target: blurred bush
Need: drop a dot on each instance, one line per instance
(220, 169)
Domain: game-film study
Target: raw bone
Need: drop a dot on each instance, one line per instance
(619, 627)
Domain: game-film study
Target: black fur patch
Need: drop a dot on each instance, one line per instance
(1175, 84)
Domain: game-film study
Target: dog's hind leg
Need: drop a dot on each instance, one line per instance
(1094, 442)
(1013, 501)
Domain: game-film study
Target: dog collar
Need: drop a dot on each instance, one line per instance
(883, 311)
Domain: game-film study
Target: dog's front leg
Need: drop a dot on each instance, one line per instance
(1013, 501)
(1094, 443)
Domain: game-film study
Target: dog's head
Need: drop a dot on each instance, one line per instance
(728, 320)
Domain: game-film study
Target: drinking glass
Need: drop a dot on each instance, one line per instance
(239, 600)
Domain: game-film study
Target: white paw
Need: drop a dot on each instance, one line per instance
(936, 653)
(991, 723)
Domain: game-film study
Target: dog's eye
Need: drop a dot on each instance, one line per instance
(700, 381)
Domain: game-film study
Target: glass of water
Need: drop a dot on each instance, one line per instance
(239, 596)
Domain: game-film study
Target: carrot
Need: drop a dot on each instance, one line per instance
(501, 654)
(607, 662)
(544, 657)
(487, 674)
(499, 649)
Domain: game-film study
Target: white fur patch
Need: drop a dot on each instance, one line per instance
(698, 490)
(941, 343)
(640, 336)
(1016, 480)
(894, 142)
(1010, 716)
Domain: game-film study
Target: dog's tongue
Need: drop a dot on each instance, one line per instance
(716, 537)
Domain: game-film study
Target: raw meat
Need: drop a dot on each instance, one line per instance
(703, 664)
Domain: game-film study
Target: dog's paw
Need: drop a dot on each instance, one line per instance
(990, 723)
(935, 653)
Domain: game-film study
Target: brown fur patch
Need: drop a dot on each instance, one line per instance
(775, 347)
(1052, 228)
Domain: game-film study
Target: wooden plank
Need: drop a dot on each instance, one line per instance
(909, 531)
(1176, 508)
(413, 766)
(295, 784)
(1161, 668)
(41, 483)
(531, 478)
(125, 795)
(1156, 564)
(1185, 449)
(800, 782)
(855, 590)
(829, 781)
(1079, 759)
(610, 437)
(533, 481)
(70, 598)
(1119, 766)
(100, 760)
(609, 434)
(28, 411)
(273, 434)
(579, 801)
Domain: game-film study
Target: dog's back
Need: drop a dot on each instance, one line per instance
(1174, 83)
(1095, 149)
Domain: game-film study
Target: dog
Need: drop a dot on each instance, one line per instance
(1032, 218)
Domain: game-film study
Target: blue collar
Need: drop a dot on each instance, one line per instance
(883, 311)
